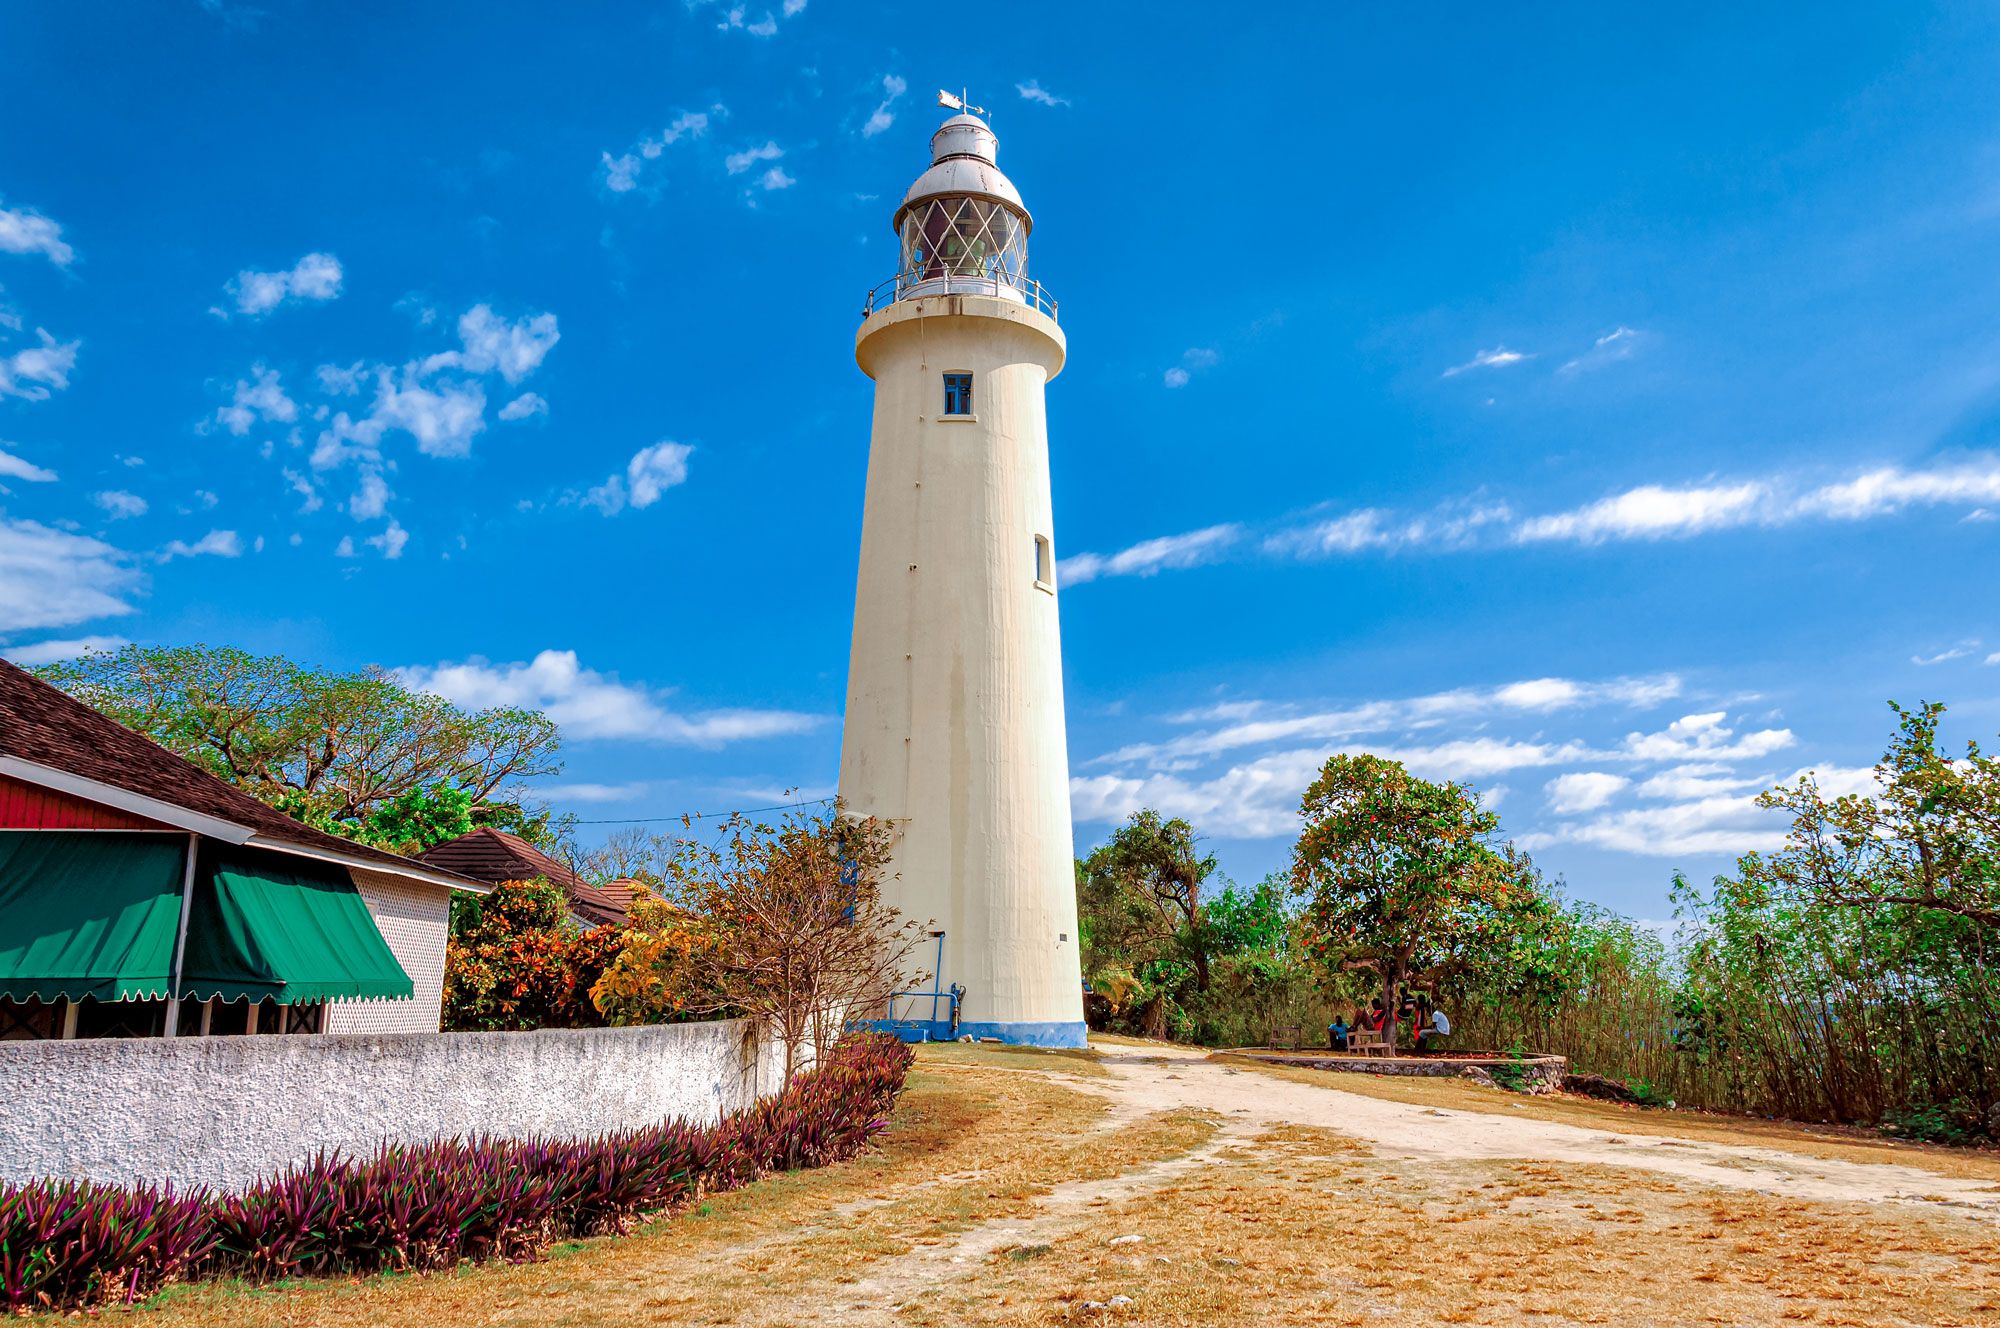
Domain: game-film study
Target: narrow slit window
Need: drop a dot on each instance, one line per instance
(1045, 562)
(958, 394)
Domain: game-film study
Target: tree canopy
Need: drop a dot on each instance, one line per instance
(1405, 879)
(358, 754)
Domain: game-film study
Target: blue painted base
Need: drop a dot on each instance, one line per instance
(1052, 1033)
(1047, 1034)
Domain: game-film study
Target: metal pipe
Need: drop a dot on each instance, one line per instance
(181, 937)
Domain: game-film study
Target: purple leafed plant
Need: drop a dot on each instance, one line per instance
(78, 1245)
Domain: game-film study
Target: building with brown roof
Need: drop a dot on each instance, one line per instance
(141, 895)
(494, 856)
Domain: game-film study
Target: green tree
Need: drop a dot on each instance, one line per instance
(1404, 879)
(1929, 839)
(1146, 937)
(356, 754)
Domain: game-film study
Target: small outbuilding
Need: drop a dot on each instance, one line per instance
(141, 896)
(494, 856)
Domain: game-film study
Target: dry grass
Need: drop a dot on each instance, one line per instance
(997, 1194)
(1829, 1142)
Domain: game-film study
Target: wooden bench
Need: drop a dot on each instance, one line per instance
(1368, 1042)
(1287, 1037)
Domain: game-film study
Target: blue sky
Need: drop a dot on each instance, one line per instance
(1597, 406)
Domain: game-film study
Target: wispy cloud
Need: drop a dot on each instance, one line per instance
(1497, 358)
(1618, 344)
(316, 277)
(648, 475)
(1646, 512)
(20, 468)
(37, 653)
(1946, 656)
(119, 504)
(738, 162)
(36, 371)
(1033, 91)
(523, 407)
(1193, 361)
(52, 578)
(587, 704)
(1150, 556)
(892, 88)
(216, 543)
(1583, 791)
(26, 231)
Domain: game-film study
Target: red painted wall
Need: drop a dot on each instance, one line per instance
(31, 807)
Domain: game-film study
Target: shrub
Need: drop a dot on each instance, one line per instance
(69, 1245)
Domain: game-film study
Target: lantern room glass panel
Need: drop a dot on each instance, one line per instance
(947, 239)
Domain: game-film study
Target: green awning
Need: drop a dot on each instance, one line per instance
(296, 930)
(88, 913)
(96, 913)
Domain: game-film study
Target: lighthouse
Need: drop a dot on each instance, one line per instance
(954, 727)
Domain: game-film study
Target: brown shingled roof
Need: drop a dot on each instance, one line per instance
(493, 855)
(46, 725)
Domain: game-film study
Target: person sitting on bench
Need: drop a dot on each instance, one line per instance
(1336, 1033)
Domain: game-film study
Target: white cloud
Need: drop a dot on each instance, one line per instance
(1583, 791)
(20, 468)
(690, 124)
(586, 792)
(1193, 361)
(118, 504)
(1033, 90)
(794, 7)
(259, 397)
(51, 578)
(1704, 738)
(1650, 512)
(391, 540)
(216, 543)
(738, 162)
(371, 498)
(341, 382)
(588, 704)
(649, 474)
(1617, 344)
(303, 487)
(25, 231)
(892, 88)
(1452, 526)
(444, 419)
(1945, 656)
(523, 406)
(621, 174)
(1150, 556)
(344, 549)
(37, 653)
(776, 178)
(766, 26)
(516, 349)
(1697, 780)
(315, 277)
(33, 373)
(1497, 358)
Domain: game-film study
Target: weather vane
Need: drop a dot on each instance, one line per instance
(958, 103)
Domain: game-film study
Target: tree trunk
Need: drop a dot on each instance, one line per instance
(1392, 986)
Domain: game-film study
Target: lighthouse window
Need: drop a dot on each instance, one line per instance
(1045, 564)
(958, 394)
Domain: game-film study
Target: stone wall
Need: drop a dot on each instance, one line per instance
(415, 919)
(227, 1111)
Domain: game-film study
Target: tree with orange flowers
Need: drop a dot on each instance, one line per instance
(1406, 880)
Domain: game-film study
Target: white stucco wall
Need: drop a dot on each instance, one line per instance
(415, 919)
(228, 1111)
(954, 724)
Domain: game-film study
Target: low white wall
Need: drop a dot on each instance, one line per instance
(228, 1111)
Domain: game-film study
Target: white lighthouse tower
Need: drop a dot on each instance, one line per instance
(954, 726)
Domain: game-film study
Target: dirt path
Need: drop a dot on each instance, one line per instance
(1162, 1079)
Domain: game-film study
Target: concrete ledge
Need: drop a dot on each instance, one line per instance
(1539, 1074)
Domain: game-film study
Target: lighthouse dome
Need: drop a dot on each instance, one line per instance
(962, 228)
(963, 151)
